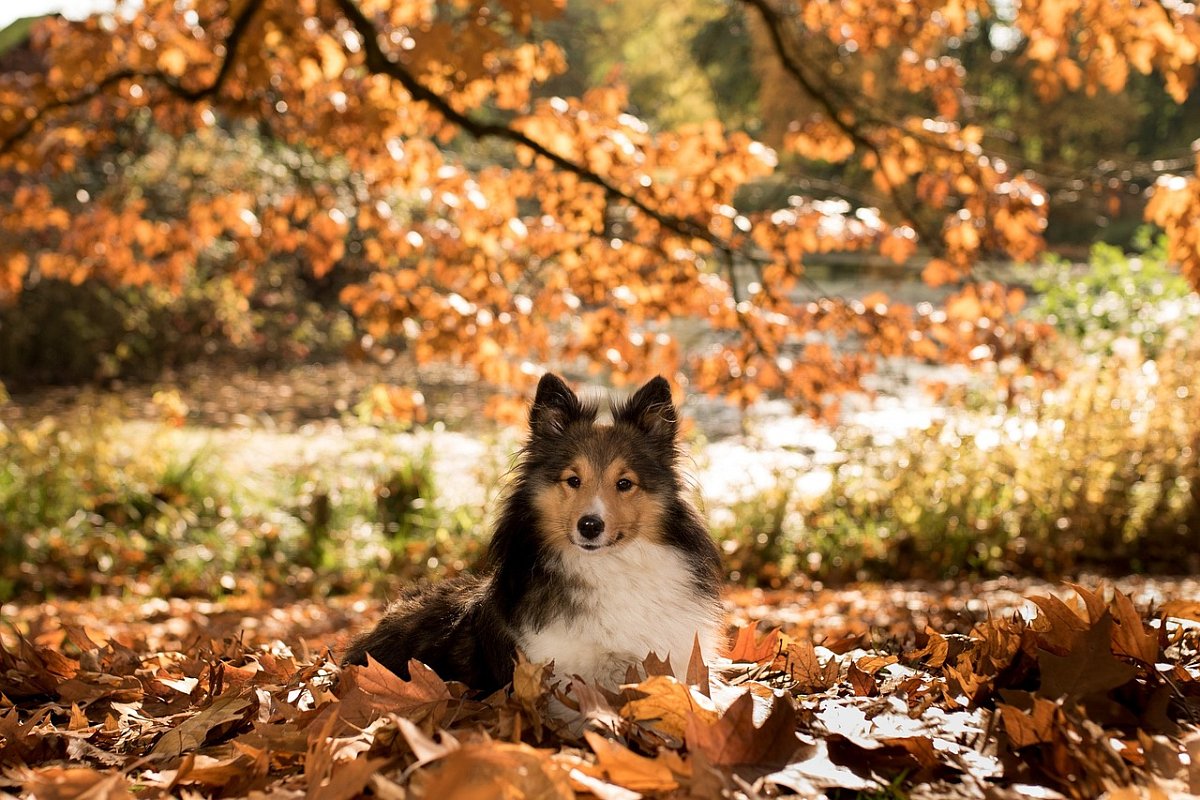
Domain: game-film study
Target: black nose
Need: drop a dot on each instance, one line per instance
(590, 526)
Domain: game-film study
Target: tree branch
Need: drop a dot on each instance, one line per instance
(381, 62)
(241, 24)
(774, 27)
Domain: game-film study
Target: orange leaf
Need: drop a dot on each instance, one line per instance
(748, 647)
(622, 766)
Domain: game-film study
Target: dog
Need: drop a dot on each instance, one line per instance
(597, 558)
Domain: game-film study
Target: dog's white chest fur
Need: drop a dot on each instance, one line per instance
(635, 599)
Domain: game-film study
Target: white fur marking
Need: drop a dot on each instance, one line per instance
(640, 598)
(596, 507)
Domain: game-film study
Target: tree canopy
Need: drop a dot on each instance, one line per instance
(418, 161)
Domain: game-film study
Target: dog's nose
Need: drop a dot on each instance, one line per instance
(590, 526)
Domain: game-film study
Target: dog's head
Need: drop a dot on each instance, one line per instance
(596, 485)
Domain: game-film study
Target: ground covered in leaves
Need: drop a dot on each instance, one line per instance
(884, 691)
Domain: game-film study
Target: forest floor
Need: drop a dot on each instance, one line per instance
(1002, 689)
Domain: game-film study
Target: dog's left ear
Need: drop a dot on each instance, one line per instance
(652, 410)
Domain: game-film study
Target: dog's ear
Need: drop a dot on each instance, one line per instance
(554, 406)
(652, 410)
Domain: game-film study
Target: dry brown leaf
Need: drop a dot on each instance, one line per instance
(1089, 668)
(734, 741)
(77, 783)
(873, 663)
(697, 670)
(492, 770)
(801, 664)
(862, 682)
(193, 731)
(1129, 637)
(934, 653)
(1029, 727)
(371, 691)
(1058, 625)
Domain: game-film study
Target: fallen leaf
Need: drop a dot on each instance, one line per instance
(371, 691)
(77, 783)
(697, 670)
(1027, 727)
(802, 666)
(1090, 668)
(488, 770)
(620, 765)
(193, 731)
(862, 682)
(1182, 609)
(1058, 625)
(668, 706)
(934, 653)
(873, 663)
(734, 741)
(749, 648)
(1096, 607)
(1130, 638)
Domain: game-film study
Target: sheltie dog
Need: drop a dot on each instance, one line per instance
(597, 558)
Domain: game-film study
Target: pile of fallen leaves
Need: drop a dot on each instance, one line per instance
(1079, 700)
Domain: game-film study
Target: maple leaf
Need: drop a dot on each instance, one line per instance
(29, 742)
(801, 664)
(370, 691)
(1058, 625)
(748, 647)
(1130, 638)
(733, 740)
(1089, 668)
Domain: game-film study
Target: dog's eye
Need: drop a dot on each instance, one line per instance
(574, 481)
(624, 485)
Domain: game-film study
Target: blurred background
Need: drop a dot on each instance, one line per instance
(271, 304)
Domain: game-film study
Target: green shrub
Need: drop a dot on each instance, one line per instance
(1118, 298)
(86, 506)
(100, 505)
(1101, 473)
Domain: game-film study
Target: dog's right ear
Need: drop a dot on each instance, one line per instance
(554, 406)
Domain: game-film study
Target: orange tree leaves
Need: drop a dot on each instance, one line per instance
(458, 211)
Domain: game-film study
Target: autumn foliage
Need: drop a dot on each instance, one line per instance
(463, 212)
(1081, 696)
